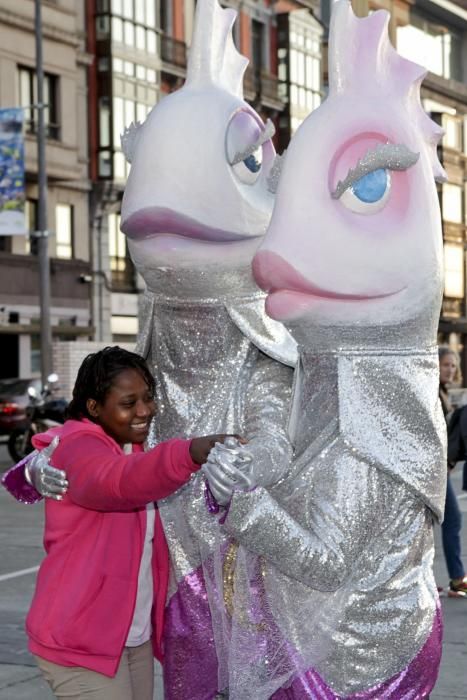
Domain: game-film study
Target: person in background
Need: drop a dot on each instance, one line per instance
(451, 528)
(95, 621)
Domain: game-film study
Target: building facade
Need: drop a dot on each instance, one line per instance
(107, 63)
(141, 49)
(65, 94)
(433, 33)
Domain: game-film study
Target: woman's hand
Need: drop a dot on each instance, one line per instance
(200, 447)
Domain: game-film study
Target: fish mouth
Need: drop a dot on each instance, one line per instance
(152, 221)
(277, 277)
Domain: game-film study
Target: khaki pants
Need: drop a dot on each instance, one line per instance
(134, 679)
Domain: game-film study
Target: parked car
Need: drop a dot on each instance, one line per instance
(14, 398)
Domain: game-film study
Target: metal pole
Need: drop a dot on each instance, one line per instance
(42, 233)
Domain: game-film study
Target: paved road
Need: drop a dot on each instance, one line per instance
(21, 549)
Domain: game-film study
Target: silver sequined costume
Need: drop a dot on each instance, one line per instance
(346, 540)
(221, 365)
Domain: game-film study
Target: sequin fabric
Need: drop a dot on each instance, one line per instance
(214, 354)
(347, 537)
(413, 683)
(210, 379)
(15, 482)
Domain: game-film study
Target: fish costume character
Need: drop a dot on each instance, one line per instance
(333, 578)
(196, 206)
(221, 364)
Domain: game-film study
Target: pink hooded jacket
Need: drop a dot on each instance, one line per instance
(86, 587)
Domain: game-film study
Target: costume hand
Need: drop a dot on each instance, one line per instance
(47, 480)
(201, 446)
(228, 468)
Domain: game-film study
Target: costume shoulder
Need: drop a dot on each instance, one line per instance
(146, 316)
(390, 415)
(269, 336)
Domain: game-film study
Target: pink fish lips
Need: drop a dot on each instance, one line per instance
(290, 294)
(151, 221)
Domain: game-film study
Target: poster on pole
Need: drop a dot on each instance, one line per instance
(12, 186)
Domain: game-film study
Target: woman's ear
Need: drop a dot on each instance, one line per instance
(91, 405)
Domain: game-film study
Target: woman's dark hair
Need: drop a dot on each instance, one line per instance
(97, 374)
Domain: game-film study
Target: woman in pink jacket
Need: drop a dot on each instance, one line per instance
(95, 621)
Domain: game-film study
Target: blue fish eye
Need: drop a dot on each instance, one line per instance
(372, 187)
(252, 163)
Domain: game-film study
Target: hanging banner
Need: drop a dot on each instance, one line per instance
(12, 187)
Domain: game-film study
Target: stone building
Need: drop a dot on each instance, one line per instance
(65, 93)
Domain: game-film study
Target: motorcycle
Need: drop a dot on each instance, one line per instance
(43, 412)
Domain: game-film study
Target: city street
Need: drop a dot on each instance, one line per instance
(21, 552)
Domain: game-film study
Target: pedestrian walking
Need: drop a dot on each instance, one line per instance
(449, 371)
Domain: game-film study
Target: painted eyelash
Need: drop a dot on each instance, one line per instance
(275, 173)
(388, 155)
(265, 135)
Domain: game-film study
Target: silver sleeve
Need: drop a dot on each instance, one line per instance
(265, 420)
(318, 542)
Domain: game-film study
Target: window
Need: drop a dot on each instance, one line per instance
(121, 267)
(151, 13)
(129, 34)
(35, 356)
(28, 98)
(104, 122)
(258, 45)
(128, 9)
(152, 41)
(129, 68)
(124, 328)
(5, 244)
(302, 63)
(120, 166)
(103, 64)
(117, 244)
(117, 30)
(140, 38)
(64, 231)
(452, 132)
(118, 119)
(452, 203)
(102, 27)
(454, 270)
(117, 65)
(133, 98)
(105, 164)
(434, 45)
(141, 11)
(165, 17)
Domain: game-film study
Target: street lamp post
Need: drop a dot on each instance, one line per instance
(42, 233)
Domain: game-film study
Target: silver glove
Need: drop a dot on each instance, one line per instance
(48, 481)
(228, 468)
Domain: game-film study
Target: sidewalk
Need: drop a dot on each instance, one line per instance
(21, 548)
(452, 680)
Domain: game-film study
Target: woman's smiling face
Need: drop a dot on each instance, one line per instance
(127, 410)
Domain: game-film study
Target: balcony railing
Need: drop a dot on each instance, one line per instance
(270, 87)
(173, 51)
(263, 87)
